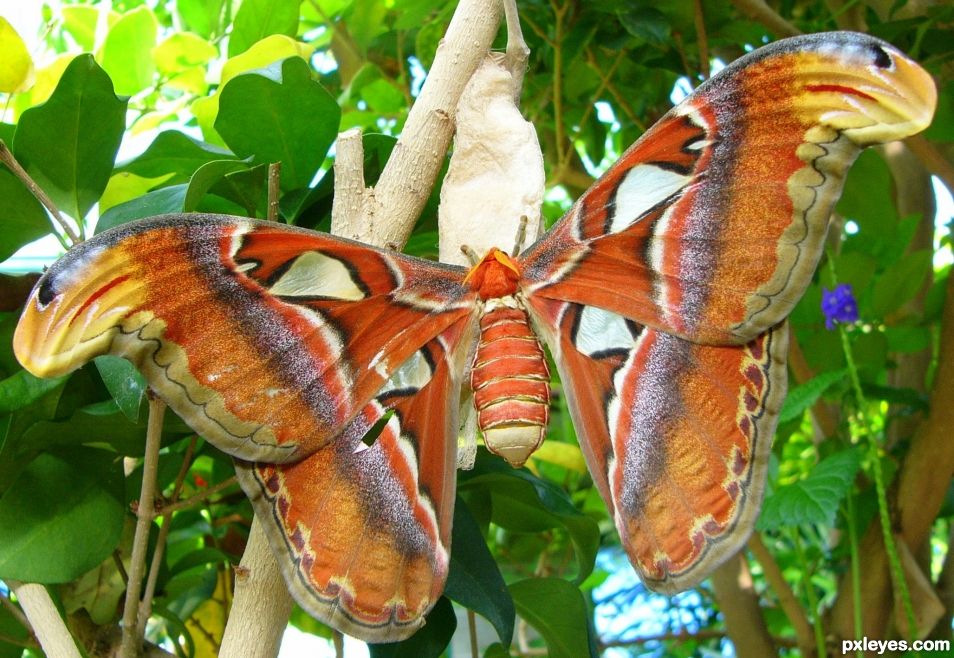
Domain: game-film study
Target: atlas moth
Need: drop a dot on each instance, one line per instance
(662, 296)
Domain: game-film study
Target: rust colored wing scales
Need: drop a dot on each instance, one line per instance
(712, 223)
(261, 336)
(676, 434)
(364, 532)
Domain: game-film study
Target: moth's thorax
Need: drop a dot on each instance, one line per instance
(494, 276)
(511, 381)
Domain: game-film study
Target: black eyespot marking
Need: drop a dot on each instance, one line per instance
(46, 292)
(881, 57)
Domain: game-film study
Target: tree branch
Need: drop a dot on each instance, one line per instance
(387, 212)
(760, 12)
(382, 216)
(47, 624)
(145, 512)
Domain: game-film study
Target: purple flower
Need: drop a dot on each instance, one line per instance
(839, 305)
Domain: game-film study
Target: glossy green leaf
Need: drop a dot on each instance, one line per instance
(474, 580)
(124, 383)
(13, 635)
(525, 503)
(280, 114)
(47, 517)
(181, 52)
(257, 19)
(158, 202)
(203, 17)
(22, 218)
(126, 54)
(557, 610)
(429, 642)
(900, 282)
(805, 395)
(814, 499)
(80, 21)
(16, 74)
(68, 144)
(21, 388)
(208, 175)
(173, 152)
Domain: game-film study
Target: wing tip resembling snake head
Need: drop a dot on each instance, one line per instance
(72, 313)
(864, 87)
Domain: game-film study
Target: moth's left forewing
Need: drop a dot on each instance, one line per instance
(363, 532)
(676, 435)
(710, 226)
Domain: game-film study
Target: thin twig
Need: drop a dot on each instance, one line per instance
(274, 183)
(760, 12)
(6, 156)
(195, 499)
(132, 641)
(145, 607)
(932, 160)
(786, 597)
(701, 39)
(472, 627)
(338, 638)
(14, 610)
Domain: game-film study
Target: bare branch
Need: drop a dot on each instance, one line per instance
(6, 156)
(132, 640)
(388, 212)
(50, 630)
(759, 11)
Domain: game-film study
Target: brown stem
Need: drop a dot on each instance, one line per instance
(145, 512)
(274, 182)
(157, 556)
(760, 12)
(194, 500)
(701, 38)
(6, 156)
(804, 634)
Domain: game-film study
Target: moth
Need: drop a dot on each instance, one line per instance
(661, 294)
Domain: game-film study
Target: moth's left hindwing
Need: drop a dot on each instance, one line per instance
(285, 347)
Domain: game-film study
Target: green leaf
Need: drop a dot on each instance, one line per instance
(126, 54)
(474, 580)
(80, 21)
(280, 114)
(814, 499)
(206, 176)
(68, 144)
(124, 383)
(173, 152)
(557, 610)
(805, 395)
(647, 23)
(62, 516)
(522, 502)
(181, 52)
(866, 198)
(366, 20)
(22, 218)
(21, 388)
(382, 97)
(203, 17)
(900, 282)
(10, 627)
(429, 642)
(16, 74)
(257, 19)
(497, 650)
(158, 202)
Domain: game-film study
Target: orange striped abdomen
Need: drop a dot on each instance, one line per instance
(511, 382)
